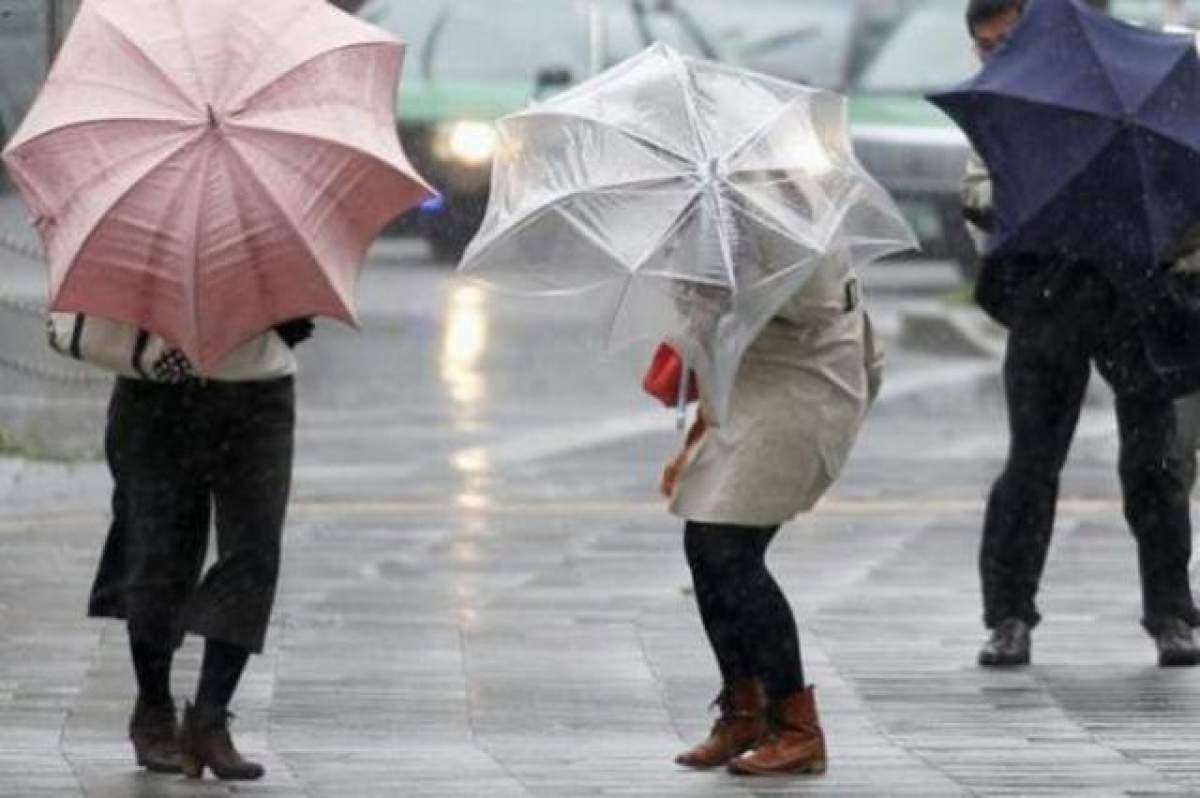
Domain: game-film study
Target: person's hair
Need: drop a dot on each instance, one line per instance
(980, 11)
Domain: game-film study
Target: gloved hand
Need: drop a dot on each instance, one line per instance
(294, 331)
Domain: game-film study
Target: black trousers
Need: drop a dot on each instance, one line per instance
(1046, 370)
(177, 454)
(746, 615)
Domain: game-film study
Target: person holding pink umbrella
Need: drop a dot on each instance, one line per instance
(206, 175)
(178, 447)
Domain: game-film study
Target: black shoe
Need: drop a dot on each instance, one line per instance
(155, 737)
(1176, 645)
(1008, 647)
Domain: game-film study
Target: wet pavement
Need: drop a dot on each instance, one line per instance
(482, 595)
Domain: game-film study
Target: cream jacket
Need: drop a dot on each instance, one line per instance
(799, 400)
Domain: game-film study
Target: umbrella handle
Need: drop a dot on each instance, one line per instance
(681, 399)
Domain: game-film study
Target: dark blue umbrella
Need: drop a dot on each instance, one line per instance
(1090, 128)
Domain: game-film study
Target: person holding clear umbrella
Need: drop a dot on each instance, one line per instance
(798, 401)
(719, 212)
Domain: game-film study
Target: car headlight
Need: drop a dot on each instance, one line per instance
(469, 143)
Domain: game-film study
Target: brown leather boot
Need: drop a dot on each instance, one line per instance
(795, 743)
(204, 741)
(155, 736)
(742, 724)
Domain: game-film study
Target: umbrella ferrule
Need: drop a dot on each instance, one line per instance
(712, 172)
(214, 121)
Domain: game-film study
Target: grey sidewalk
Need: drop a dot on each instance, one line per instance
(482, 596)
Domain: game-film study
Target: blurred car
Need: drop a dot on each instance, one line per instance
(824, 43)
(471, 62)
(913, 149)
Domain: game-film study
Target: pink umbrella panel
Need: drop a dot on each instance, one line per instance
(205, 169)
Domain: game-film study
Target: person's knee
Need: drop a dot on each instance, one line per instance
(1025, 474)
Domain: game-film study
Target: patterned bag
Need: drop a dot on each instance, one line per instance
(117, 347)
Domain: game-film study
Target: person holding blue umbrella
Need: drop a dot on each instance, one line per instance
(1071, 268)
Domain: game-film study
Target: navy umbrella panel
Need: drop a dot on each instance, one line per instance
(1090, 128)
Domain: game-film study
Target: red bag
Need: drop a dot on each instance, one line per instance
(662, 378)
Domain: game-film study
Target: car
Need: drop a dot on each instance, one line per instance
(468, 65)
(914, 150)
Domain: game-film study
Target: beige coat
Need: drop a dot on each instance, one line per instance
(799, 399)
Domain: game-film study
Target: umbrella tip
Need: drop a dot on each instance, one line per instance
(213, 122)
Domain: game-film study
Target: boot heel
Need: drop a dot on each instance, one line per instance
(193, 768)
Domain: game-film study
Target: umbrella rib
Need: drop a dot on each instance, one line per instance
(682, 74)
(1145, 204)
(1108, 78)
(193, 294)
(767, 217)
(245, 236)
(723, 235)
(154, 65)
(177, 15)
(292, 225)
(1154, 94)
(689, 105)
(249, 100)
(104, 121)
(1073, 178)
(672, 228)
(656, 148)
(1037, 102)
(253, 127)
(134, 186)
(758, 132)
(92, 179)
(280, 35)
(551, 204)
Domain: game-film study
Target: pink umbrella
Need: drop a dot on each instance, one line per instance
(205, 169)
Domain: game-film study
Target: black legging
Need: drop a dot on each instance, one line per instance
(746, 615)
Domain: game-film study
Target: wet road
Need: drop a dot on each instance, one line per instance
(482, 595)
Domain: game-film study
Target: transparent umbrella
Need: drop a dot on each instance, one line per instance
(693, 198)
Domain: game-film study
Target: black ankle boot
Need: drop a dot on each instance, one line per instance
(1176, 645)
(1008, 646)
(205, 742)
(155, 736)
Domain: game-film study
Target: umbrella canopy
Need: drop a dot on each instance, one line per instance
(694, 198)
(1090, 128)
(205, 169)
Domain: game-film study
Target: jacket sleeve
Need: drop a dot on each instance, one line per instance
(1187, 255)
(976, 194)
